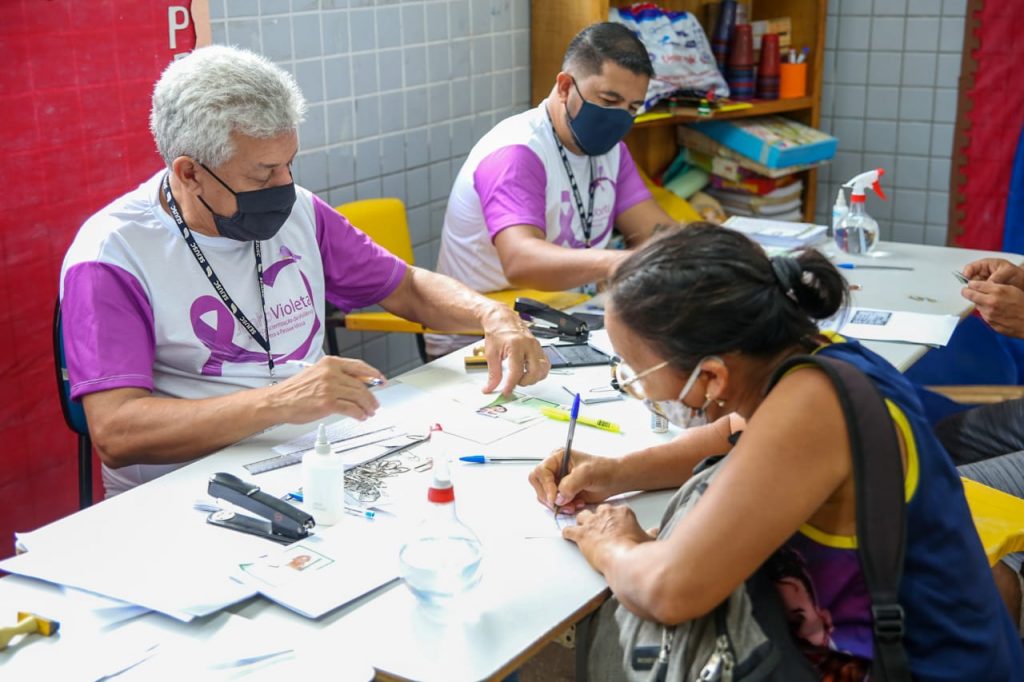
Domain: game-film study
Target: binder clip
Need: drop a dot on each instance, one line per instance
(562, 325)
(284, 523)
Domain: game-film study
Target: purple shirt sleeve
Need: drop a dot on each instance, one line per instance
(357, 271)
(108, 333)
(511, 183)
(629, 187)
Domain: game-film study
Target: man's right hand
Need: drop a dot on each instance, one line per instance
(590, 479)
(332, 386)
(995, 270)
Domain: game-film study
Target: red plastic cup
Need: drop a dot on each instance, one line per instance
(742, 51)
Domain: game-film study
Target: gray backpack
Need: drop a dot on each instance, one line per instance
(747, 636)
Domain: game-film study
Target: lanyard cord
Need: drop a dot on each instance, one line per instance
(218, 286)
(586, 219)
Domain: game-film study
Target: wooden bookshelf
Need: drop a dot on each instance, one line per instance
(653, 142)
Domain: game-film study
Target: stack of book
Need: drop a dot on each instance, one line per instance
(754, 163)
(782, 203)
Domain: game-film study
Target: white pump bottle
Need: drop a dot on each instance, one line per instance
(323, 482)
(857, 232)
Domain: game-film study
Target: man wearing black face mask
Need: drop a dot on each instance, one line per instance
(535, 203)
(193, 306)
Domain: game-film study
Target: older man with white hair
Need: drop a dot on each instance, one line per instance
(193, 306)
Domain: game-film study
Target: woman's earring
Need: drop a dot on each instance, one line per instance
(716, 401)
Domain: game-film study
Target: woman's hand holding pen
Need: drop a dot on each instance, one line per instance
(590, 479)
(331, 386)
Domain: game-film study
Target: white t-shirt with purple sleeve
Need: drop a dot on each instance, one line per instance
(139, 312)
(515, 176)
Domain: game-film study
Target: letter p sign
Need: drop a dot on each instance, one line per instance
(177, 19)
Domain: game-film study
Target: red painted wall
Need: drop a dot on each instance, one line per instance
(74, 104)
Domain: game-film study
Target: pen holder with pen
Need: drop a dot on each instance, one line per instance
(792, 80)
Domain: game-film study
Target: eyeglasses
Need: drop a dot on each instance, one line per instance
(626, 380)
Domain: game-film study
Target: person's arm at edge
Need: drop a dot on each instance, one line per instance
(637, 215)
(530, 261)
(665, 465)
(132, 426)
(669, 465)
(639, 222)
(443, 303)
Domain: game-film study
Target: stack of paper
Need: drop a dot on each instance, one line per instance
(777, 233)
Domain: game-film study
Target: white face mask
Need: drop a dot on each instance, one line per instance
(678, 412)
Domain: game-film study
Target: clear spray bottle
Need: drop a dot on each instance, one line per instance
(857, 232)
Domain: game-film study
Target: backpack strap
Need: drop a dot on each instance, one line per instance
(881, 509)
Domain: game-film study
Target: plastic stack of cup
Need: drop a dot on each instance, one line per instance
(768, 69)
(722, 35)
(740, 74)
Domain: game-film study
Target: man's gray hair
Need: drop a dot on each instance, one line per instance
(202, 98)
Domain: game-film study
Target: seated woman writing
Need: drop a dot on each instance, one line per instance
(703, 318)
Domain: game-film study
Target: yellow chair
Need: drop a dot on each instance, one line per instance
(384, 221)
(998, 517)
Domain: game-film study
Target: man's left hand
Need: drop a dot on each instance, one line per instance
(514, 357)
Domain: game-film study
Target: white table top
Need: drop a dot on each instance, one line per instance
(531, 588)
(929, 288)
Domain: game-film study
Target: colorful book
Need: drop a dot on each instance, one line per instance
(772, 141)
(718, 159)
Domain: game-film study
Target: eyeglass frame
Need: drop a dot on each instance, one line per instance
(623, 386)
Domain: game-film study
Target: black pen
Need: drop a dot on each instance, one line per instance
(567, 455)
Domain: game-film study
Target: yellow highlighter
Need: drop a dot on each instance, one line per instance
(563, 415)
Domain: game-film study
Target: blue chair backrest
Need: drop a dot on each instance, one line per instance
(1013, 230)
(74, 414)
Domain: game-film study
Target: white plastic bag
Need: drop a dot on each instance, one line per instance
(678, 48)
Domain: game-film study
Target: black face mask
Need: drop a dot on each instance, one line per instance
(260, 214)
(597, 129)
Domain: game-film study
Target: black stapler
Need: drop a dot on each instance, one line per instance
(562, 325)
(285, 523)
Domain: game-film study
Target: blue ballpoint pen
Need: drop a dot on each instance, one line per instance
(868, 266)
(567, 455)
(484, 459)
(354, 511)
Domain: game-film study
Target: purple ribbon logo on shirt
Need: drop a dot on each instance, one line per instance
(219, 338)
(602, 214)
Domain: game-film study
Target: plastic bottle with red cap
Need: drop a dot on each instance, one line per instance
(857, 232)
(441, 562)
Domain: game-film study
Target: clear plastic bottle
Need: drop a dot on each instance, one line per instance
(441, 562)
(857, 232)
(323, 482)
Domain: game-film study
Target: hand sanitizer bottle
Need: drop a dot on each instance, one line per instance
(441, 561)
(323, 482)
(838, 211)
(857, 232)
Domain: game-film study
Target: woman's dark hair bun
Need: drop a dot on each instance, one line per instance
(820, 290)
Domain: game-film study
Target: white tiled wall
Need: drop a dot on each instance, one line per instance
(889, 95)
(399, 91)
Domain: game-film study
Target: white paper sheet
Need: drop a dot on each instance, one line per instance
(869, 324)
(322, 572)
